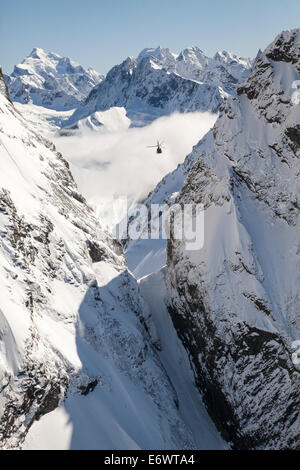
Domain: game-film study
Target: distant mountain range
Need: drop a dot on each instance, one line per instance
(160, 82)
(157, 83)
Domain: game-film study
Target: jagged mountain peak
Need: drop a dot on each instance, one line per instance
(190, 51)
(191, 63)
(41, 62)
(50, 80)
(130, 62)
(117, 73)
(270, 81)
(225, 55)
(39, 53)
(159, 52)
(286, 47)
(194, 48)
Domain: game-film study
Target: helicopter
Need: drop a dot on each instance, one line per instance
(159, 146)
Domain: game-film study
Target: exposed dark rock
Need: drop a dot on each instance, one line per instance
(97, 254)
(293, 134)
(3, 86)
(85, 390)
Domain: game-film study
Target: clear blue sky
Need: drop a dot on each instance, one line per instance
(101, 33)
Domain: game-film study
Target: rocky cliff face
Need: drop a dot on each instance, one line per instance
(72, 323)
(52, 81)
(159, 82)
(235, 303)
(3, 86)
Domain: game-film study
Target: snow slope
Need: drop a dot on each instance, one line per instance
(76, 358)
(112, 120)
(48, 122)
(57, 431)
(49, 80)
(235, 303)
(159, 82)
(175, 360)
(45, 121)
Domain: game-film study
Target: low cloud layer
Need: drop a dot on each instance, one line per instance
(107, 165)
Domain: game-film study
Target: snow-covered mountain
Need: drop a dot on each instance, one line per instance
(235, 303)
(224, 69)
(89, 358)
(159, 82)
(52, 81)
(77, 364)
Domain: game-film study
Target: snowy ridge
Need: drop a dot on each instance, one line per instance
(224, 69)
(235, 303)
(159, 82)
(112, 120)
(74, 346)
(52, 81)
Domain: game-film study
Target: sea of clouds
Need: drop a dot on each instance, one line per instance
(109, 164)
